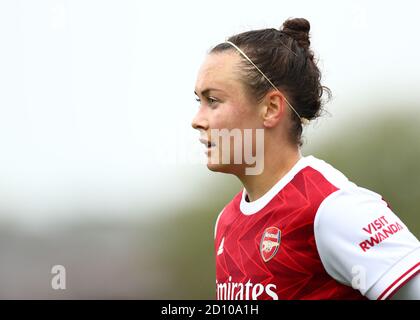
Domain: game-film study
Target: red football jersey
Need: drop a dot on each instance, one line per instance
(306, 239)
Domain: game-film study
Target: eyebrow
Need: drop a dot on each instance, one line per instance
(206, 91)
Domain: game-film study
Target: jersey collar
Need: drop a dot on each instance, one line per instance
(249, 208)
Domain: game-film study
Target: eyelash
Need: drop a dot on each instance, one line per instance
(210, 100)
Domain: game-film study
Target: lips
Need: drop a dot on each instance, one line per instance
(207, 143)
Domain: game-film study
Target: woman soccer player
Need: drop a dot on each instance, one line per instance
(299, 229)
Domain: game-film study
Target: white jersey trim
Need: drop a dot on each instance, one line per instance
(334, 176)
(249, 208)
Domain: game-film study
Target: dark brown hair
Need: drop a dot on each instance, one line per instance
(285, 57)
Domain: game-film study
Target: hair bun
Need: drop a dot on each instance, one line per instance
(298, 29)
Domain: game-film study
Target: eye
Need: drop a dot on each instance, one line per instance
(212, 101)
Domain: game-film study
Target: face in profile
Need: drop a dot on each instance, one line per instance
(226, 117)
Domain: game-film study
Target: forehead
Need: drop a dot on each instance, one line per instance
(219, 71)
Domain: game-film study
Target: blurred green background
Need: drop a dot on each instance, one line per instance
(170, 255)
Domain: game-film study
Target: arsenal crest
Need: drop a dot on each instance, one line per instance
(270, 243)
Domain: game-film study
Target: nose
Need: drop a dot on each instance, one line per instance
(200, 122)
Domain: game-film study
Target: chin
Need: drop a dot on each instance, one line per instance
(217, 167)
(224, 168)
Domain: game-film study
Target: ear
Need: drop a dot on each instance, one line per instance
(273, 108)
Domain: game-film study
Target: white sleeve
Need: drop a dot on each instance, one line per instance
(363, 244)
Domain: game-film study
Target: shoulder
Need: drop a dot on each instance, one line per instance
(348, 206)
(321, 177)
(357, 211)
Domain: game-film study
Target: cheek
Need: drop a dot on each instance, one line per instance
(221, 118)
(245, 120)
(233, 116)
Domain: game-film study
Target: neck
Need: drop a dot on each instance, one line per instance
(276, 165)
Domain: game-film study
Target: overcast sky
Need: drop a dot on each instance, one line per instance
(96, 97)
